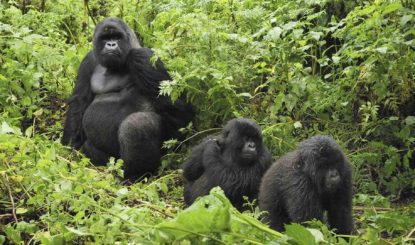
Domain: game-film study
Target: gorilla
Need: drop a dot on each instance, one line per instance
(115, 109)
(235, 160)
(305, 183)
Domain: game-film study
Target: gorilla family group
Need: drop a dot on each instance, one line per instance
(116, 110)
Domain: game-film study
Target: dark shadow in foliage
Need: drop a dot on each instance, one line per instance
(333, 9)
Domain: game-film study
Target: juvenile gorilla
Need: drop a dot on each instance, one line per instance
(115, 109)
(235, 160)
(304, 183)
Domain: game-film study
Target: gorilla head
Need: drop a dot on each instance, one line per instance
(113, 40)
(322, 161)
(241, 141)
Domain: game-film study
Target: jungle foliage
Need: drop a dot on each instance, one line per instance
(298, 67)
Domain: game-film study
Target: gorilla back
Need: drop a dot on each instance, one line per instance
(115, 109)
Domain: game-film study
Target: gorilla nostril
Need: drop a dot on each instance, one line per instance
(111, 44)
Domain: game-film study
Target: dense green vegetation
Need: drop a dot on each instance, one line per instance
(299, 68)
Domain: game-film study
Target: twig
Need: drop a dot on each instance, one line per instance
(398, 196)
(89, 12)
(196, 134)
(11, 197)
(362, 208)
(410, 234)
(5, 215)
(148, 205)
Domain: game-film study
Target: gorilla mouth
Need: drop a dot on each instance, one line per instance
(112, 53)
(248, 155)
(247, 158)
(330, 188)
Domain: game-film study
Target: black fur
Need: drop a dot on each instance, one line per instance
(115, 109)
(235, 160)
(305, 183)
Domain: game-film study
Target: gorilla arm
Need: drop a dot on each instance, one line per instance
(147, 78)
(193, 166)
(339, 210)
(302, 204)
(212, 154)
(81, 98)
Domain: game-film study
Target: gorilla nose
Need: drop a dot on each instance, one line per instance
(111, 45)
(251, 145)
(334, 174)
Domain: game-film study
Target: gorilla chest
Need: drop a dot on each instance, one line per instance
(115, 106)
(237, 182)
(103, 81)
(110, 106)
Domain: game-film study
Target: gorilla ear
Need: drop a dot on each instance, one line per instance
(221, 141)
(225, 134)
(299, 164)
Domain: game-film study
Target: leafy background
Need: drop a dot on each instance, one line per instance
(338, 67)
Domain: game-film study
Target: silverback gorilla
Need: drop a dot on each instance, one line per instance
(304, 183)
(235, 160)
(115, 109)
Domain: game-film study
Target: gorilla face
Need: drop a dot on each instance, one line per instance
(242, 140)
(328, 176)
(112, 42)
(323, 165)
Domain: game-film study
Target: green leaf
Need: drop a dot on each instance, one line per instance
(382, 50)
(47, 239)
(391, 8)
(318, 236)
(298, 124)
(77, 231)
(405, 19)
(410, 120)
(12, 234)
(29, 131)
(248, 95)
(316, 35)
(122, 192)
(21, 210)
(274, 34)
(2, 239)
(336, 59)
(208, 214)
(5, 128)
(300, 234)
(289, 25)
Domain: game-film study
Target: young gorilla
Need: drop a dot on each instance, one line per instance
(304, 183)
(235, 160)
(115, 109)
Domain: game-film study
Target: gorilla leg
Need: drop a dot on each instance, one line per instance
(140, 143)
(96, 156)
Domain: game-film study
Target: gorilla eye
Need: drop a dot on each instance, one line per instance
(117, 36)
